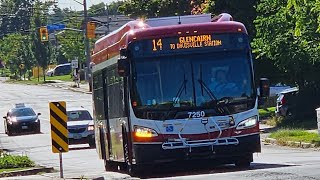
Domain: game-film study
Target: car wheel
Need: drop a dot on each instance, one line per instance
(290, 115)
(9, 131)
(38, 129)
(5, 128)
(92, 144)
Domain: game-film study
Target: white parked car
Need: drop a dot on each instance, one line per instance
(49, 72)
(80, 127)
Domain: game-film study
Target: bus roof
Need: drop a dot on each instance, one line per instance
(187, 29)
(108, 46)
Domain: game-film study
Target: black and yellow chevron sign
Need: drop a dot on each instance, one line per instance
(59, 131)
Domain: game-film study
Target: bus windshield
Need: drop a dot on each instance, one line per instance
(193, 81)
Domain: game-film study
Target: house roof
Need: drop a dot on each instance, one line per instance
(114, 22)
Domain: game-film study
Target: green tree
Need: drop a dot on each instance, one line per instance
(113, 7)
(15, 16)
(97, 10)
(286, 35)
(41, 49)
(71, 43)
(155, 8)
(15, 50)
(243, 11)
(57, 16)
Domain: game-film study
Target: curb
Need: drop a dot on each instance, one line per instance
(78, 90)
(27, 172)
(290, 143)
(68, 88)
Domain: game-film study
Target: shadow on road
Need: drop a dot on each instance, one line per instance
(24, 133)
(198, 168)
(79, 148)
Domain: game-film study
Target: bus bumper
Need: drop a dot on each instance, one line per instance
(153, 153)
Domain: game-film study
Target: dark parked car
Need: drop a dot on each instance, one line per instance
(287, 102)
(20, 119)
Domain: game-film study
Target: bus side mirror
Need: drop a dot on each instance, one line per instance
(123, 63)
(123, 67)
(264, 87)
(264, 90)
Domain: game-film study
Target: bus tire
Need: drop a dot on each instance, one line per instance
(110, 166)
(244, 161)
(107, 164)
(130, 168)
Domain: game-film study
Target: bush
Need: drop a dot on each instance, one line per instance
(308, 100)
(4, 72)
(283, 122)
(14, 161)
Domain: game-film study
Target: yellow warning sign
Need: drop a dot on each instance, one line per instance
(59, 130)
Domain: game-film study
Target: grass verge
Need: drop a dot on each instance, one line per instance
(265, 113)
(287, 123)
(283, 136)
(49, 79)
(15, 165)
(8, 161)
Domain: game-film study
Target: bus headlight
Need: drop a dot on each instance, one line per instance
(144, 132)
(248, 123)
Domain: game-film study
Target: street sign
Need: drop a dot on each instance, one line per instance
(52, 37)
(74, 64)
(55, 27)
(59, 130)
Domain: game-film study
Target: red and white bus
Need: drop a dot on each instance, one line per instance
(157, 98)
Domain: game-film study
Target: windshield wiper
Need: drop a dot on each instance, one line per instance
(182, 87)
(206, 88)
(213, 98)
(234, 100)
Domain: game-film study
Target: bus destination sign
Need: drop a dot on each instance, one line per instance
(188, 42)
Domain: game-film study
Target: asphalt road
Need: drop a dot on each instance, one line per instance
(272, 164)
(79, 161)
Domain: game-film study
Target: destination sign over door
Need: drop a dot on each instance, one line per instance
(180, 44)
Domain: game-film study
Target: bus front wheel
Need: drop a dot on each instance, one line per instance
(129, 167)
(244, 161)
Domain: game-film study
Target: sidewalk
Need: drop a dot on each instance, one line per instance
(83, 87)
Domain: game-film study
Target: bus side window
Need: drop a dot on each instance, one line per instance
(98, 96)
(115, 93)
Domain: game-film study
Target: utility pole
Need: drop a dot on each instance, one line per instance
(87, 45)
(108, 21)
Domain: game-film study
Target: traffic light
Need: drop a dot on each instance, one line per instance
(44, 36)
(91, 28)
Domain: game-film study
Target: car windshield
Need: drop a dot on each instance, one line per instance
(78, 115)
(22, 112)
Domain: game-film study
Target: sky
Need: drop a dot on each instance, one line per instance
(72, 4)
